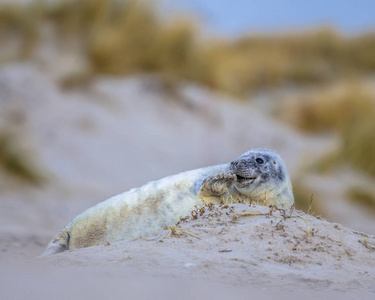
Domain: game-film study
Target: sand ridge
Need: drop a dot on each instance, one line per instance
(243, 244)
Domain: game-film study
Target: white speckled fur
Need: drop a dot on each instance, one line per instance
(143, 211)
(138, 212)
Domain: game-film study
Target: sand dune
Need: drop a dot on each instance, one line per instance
(122, 133)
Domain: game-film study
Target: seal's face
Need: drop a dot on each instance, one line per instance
(258, 170)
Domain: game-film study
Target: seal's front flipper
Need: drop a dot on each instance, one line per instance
(58, 244)
(217, 185)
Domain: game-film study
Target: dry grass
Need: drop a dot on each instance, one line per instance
(362, 196)
(309, 57)
(15, 162)
(21, 22)
(127, 37)
(115, 37)
(347, 109)
(330, 109)
(305, 199)
(358, 143)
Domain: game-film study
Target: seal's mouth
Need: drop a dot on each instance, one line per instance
(245, 180)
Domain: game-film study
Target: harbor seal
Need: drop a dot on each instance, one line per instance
(258, 176)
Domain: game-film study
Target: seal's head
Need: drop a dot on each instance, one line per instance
(262, 174)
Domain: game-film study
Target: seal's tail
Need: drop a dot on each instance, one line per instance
(59, 244)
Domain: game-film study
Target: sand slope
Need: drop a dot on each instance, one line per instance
(267, 250)
(223, 252)
(122, 133)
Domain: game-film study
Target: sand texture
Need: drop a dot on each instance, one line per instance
(122, 133)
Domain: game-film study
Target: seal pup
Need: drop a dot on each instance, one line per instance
(258, 176)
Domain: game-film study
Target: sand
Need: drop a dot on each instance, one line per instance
(231, 250)
(122, 133)
(267, 247)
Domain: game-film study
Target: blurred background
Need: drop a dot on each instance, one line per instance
(100, 96)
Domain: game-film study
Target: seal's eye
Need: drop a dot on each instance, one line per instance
(260, 161)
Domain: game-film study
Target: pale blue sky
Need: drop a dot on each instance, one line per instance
(238, 16)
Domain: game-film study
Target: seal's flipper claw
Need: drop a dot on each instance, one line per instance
(218, 185)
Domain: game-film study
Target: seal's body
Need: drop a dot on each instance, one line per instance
(258, 176)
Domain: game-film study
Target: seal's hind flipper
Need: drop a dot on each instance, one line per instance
(59, 244)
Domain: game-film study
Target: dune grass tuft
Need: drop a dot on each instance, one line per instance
(362, 196)
(358, 143)
(16, 163)
(347, 109)
(305, 199)
(332, 108)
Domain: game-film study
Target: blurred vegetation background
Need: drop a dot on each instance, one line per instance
(335, 71)
(127, 37)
